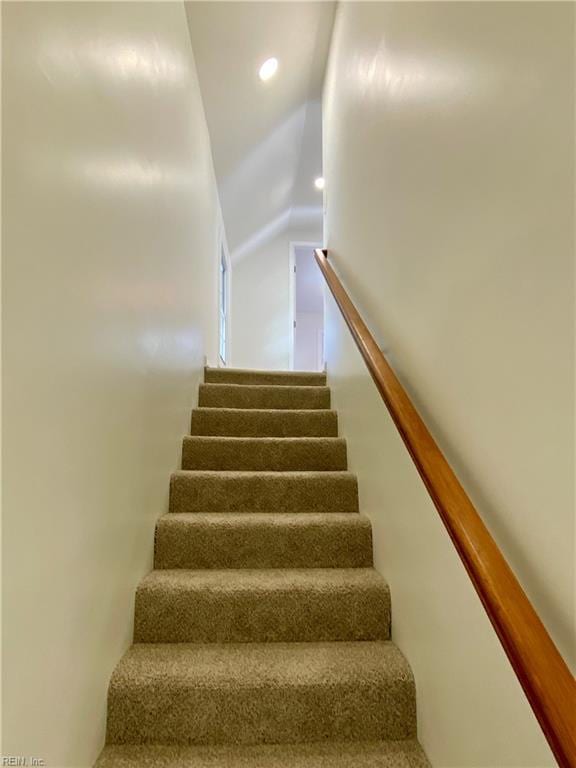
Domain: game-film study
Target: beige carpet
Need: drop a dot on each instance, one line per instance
(262, 637)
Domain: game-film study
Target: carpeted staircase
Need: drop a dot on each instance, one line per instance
(262, 637)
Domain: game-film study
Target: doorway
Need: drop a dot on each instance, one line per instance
(307, 309)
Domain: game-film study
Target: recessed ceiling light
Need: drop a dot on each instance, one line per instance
(319, 182)
(268, 69)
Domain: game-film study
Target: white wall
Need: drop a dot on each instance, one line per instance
(110, 304)
(449, 181)
(261, 313)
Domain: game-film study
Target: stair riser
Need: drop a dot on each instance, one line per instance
(238, 616)
(152, 713)
(305, 492)
(234, 396)
(263, 378)
(266, 454)
(195, 546)
(254, 423)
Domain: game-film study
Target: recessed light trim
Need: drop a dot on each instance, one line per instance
(268, 69)
(319, 182)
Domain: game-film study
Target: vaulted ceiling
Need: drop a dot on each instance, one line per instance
(266, 136)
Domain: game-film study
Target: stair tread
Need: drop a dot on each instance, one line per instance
(252, 666)
(265, 371)
(379, 754)
(276, 396)
(280, 412)
(215, 386)
(247, 376)
(264, 580)
(268, 491)
(261, 693)
(264, 441)
(260, 389)
(264, 453)
(295, 474)
(274, 371)
(255, 440)
(262, 605)
(264, 422)
(263, 540)
(258, 519)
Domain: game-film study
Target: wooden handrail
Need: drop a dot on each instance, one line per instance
(541, 670)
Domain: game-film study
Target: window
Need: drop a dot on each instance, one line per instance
(223, 305)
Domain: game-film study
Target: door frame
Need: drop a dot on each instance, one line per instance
(223, 254)
(292, 292)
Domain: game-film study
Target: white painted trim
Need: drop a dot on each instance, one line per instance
(291, 304)
(223, 248)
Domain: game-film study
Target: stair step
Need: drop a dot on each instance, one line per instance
(261, 693)
(276, 454)
(267, 492)
(262, 606)
(263, 540)
(252, 422)
(263, 396)
(348, 754)
(274, 378)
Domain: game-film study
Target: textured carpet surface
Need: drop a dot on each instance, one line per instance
(372, 754)
(182, 606)
(262, 637)
(263, 540)
(256, 396)
(273, 454)
(240, 422)
(263, 492)
(254, 693)
(277, 378)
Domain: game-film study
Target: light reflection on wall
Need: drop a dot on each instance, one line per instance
(383, 74)
(66, 61)
(183, 341)
(134, 172)
(295, 216)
